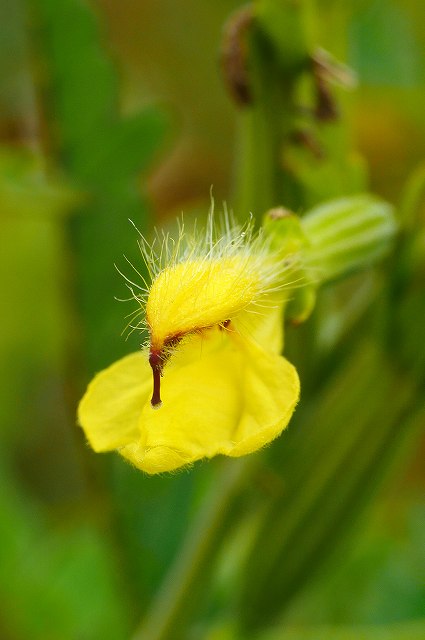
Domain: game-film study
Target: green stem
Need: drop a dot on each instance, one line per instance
(190, 571)
(260, 133)
(268, 121)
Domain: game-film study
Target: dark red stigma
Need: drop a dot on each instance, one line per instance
(156, 361)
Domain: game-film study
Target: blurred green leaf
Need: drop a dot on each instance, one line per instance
(34, 204)
(104, 153)
(407, 631)
(56, 580)
(29, 189)
(328, 476)
(413, 630)
(383, 46)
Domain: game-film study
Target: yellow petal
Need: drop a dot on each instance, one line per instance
(110, 409)
(200, 293)
(265, 328)
(222, 394)
(271, 392)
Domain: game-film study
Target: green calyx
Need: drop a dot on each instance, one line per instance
(334, 239)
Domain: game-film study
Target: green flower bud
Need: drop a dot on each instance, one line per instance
(347, 235)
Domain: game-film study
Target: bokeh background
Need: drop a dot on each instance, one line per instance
(113, 110)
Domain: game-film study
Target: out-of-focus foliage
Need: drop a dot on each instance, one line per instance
(89, 94)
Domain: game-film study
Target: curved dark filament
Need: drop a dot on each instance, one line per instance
(157, 360)
(159, 357)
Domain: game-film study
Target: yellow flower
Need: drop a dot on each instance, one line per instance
(212, 368)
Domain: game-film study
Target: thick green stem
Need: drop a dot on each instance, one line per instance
(267, 122)
(261, 136)
(189, 573)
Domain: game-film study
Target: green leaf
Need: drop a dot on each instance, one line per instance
(328, 473)
(56, 580)
(405, 631)
(104, 154)
(383, 47)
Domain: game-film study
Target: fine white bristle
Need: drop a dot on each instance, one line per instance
(222, 238)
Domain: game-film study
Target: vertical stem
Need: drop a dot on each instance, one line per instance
(189, 573)
(268, 121)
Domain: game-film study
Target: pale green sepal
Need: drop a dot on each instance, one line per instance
(301, 305)
(287, 238)
(347, 235)
(285, 231)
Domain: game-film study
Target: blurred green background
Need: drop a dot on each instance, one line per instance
(115, 110)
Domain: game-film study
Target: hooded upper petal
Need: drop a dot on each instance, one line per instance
(200, 293)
